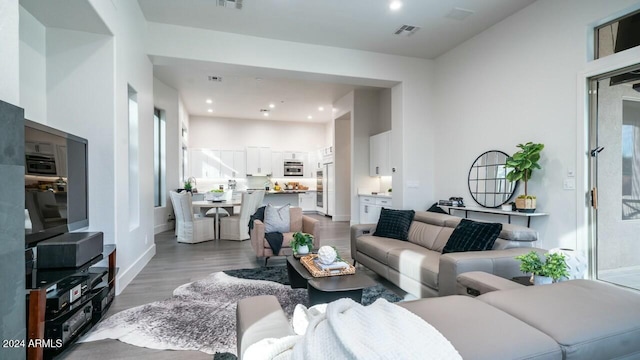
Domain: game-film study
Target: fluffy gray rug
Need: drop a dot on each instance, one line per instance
(200, 316)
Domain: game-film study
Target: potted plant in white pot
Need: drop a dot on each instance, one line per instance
(551, 270)
(522, 164)
(302, 243)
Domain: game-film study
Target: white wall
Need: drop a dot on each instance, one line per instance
(9, 43)
(237, 134)
(513, 83)
(342, 169)
(166, 98)
(132, 67)
(415, 127)
(33, 66)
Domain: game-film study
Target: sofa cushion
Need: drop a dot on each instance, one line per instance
(423, 234)
(479, 331)
(277, 219)
(519, 233)
(433, 218)
(394, 223)
(415, 262)
(471, 235)
(572, 313)
(377, 247)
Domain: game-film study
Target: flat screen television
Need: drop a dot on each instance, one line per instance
(55, 183)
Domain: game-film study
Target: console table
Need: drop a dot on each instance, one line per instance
(494, 211)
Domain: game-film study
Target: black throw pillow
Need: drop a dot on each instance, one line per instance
(472, 236)
(436, 209)
(394, 223)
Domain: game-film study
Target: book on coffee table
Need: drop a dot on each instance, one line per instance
(336, 265)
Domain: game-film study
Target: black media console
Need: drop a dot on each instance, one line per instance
(64, 303)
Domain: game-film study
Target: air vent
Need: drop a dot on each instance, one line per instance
(215, 78)
(460, 13)
(407, 30)
(234, 4)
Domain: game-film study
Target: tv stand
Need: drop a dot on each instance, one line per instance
(80, 314)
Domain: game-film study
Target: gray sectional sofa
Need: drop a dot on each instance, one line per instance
(576, 319)
(418, 266)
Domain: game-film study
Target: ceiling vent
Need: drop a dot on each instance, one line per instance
(215, 78)
(237, 4)
(407, 30)
(459, 14)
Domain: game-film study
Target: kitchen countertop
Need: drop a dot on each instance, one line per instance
(379, 195)
(273, 192)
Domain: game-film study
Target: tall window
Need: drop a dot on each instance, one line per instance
(159, 157)
(134, 162)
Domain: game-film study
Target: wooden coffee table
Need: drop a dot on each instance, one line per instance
(327, 289)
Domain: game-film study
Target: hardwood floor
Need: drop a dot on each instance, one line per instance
(175, 264)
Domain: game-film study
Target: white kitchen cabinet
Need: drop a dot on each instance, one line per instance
(226, 164)
(370, 208)
(38, 148)
(295, 155)
(277, 164)
(205, 163)
(312, 165)
(379, 154)
(258, 160)
(239, 164)
(307, 201)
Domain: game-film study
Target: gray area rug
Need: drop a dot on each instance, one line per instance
(202, 315)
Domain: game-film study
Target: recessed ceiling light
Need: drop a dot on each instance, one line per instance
(210, 110)
(272, 105)
(265, 114)
(309, 117)
(395, 5)
(209, 101)
(321, 108)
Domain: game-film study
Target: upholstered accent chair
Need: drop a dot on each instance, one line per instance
(298, 222)
(236, 227)
(189, 228)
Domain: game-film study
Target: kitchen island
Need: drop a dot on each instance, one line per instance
(302, 198)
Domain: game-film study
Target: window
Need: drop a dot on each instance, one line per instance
(134, 162)
(159, 157)
(617, 35)
(630, 159)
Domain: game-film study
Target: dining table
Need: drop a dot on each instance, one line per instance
(205, 205)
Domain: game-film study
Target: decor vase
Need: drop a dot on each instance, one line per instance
(303, 250)
(542, 280)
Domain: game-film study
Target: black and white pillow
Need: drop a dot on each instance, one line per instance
(471, 235)
(394, 223)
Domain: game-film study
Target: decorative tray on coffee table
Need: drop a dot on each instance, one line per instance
(315, 271)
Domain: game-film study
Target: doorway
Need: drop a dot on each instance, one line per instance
(614, 134)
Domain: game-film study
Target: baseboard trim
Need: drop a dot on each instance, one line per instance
(129, 274)
(341, 218)
(162, 228)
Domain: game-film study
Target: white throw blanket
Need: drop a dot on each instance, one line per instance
(348, 330)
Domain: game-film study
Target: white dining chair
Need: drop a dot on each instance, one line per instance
(236, 227)
(189, 228)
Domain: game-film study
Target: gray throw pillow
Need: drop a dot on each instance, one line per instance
(276, 219)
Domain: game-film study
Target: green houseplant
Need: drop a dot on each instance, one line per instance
(302, 243)
(522, 164)
(554, 266)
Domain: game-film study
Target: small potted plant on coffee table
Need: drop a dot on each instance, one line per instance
(551, 270)
(302, 243)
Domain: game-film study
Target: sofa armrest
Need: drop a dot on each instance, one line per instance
(498, 262)
(358, 230)
(311, 226)
(257, 237)
(258, 318)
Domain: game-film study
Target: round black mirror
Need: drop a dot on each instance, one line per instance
(488, 182)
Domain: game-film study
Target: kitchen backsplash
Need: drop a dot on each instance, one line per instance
(253, 182)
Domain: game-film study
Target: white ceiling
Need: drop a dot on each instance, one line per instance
(241, 95)
(354, 24)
